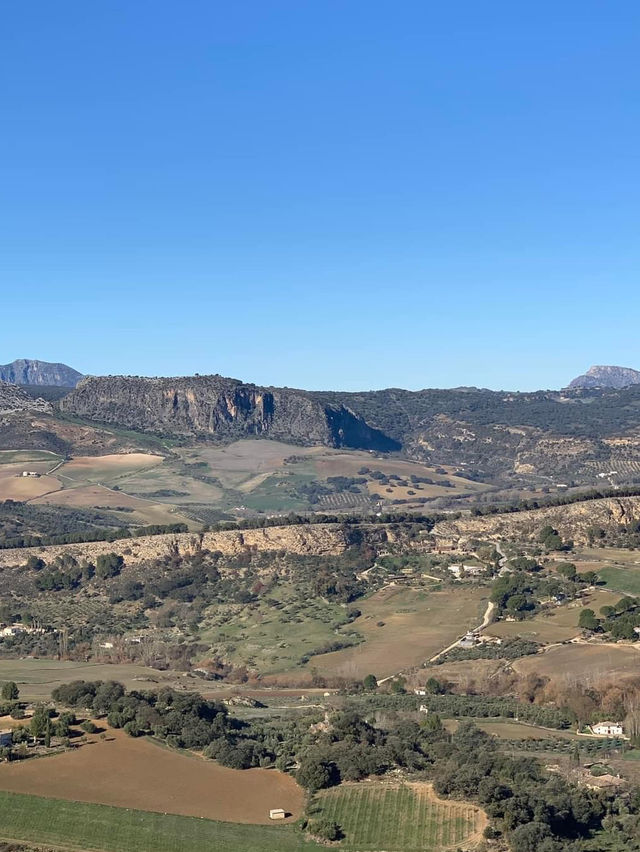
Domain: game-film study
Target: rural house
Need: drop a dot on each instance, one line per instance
(608, 729)
(6, 738)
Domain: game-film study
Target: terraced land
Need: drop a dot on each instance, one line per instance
(399, 818)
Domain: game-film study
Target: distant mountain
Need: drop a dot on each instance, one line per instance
(28, 372)
(607, 377)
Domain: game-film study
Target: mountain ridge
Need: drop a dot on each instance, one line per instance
(28, 371)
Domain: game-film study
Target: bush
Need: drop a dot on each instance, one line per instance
(325, 829)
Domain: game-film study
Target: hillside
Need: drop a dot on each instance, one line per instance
(25, 371)
(220, 408)
(579, 436)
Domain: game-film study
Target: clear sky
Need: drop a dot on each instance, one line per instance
(331, 194)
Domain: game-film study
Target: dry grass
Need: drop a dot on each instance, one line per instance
(507, 729)
(135, 773)
(557, 624)
(98, 496)
(417, 624)
(36, 678)
(582, 663)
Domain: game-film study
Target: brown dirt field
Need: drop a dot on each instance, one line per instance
(417, 624)
(136, 773)
(587, 664)
(14, 487)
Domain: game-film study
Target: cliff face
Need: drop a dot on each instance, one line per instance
(572, 521)
(212, 406)
(28, 372)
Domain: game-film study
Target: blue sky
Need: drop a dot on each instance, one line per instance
(335, 194)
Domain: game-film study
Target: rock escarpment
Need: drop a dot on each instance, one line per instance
(221, 408)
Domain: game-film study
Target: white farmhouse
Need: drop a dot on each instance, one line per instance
(608, 729)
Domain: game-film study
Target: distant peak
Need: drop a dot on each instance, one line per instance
(604, 376)
(29, 371)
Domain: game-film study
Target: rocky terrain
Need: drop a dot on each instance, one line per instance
(220, 408)
(572, 522)
(607, 377)
(305, 539)
(13, 400)
(29, 372)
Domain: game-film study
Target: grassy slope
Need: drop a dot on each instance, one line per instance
(77, 825)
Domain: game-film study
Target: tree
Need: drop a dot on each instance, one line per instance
(370, 683)
(588, 620)
(316, 774)
(325, 829)
(10, 691)
(109, 565)
(568, 570)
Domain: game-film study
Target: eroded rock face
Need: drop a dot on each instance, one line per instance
(221, 408)
(314, 540)
(572, 521)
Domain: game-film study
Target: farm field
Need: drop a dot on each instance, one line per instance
(76, 825)
(132, 509)
(416, 624)
(554, 625)
(36, 678)
(23, 456)
(508, 729)
(131, 772)
(399, 818)
(583, 663)
(14, 486)
(107, 469)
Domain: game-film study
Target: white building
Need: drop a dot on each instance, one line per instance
(608, 729)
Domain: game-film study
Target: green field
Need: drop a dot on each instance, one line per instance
(19, 456)
(400, 818)
(625, 580)
(275, 638)
(79, 826)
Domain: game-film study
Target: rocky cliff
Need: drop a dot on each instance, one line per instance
(221, 408)
(28, 372)
(572, 521)
(607, 377)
